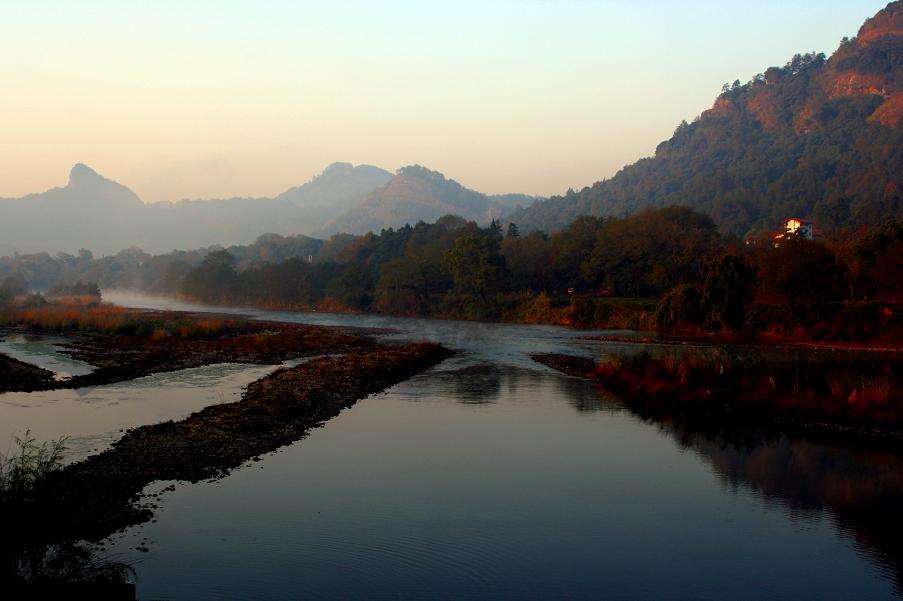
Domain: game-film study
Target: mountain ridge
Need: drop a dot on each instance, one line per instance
(99, 214)
(417, 193)
(818, 138)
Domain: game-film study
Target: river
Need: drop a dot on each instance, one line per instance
(493, 477)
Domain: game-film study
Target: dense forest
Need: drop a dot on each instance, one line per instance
(819, 138)
(665, 268)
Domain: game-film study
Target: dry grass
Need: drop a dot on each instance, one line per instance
(107, 319)
(783, 388)
(880, 391)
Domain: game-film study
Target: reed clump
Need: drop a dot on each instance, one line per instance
(68, 317)
(791, 388)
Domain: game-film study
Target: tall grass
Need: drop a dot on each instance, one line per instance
(30, 551)
(108, 319)
(24, 467)
(871, 390)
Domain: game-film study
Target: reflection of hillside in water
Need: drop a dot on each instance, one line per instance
(859, 489)
(485, 383)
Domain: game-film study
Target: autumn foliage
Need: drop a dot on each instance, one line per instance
(69, 316)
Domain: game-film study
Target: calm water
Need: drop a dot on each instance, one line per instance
(44, 351)
(491, 477)
(92, 418)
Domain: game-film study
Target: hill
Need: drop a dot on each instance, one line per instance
(818, 138)
(88, 208)
(341, 186)
(419, 194)
(103, 216)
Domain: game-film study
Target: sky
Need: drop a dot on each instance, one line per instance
(202, 99)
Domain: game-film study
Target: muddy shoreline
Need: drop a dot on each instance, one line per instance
(720, 409)
(17, 375)
(759, 344)
(92, 499)
(119, 357)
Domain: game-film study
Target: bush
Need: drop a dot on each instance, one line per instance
(31, 464)
(681, 307)
(31, 550)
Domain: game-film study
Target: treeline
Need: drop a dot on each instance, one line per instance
(453, 268)
(132, 268)
(666, 268)
(595, 273)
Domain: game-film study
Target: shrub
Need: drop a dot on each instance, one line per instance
(22, 470)
(681, 307)
(30, 549)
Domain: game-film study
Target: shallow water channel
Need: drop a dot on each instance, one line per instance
(492, 477)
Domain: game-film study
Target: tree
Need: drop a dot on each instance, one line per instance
(801, 272)
(680, 307)
(529, 258)
(729, 288)
(215, 279)
(476, 266)
(404, 287)
(495, 229)
(353, 287)
(10, 288)
(512, 230)
(650, 252)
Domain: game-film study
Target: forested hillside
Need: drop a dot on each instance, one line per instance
(818, 138)
(420, 194)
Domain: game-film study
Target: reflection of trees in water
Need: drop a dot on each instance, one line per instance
(475, 384)
(58, 562)
(859, 488)
(584, 396)
(483, 383)
(35, 549)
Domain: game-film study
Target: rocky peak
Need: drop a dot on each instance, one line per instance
(888, 21)
(81, 176)
(338, 168)
(88, 186)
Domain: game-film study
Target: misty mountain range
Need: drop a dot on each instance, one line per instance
(103, 216)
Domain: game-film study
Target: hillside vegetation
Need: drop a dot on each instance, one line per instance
(818, 138)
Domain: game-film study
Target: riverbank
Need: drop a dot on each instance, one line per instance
(124, 344)
(730, 340)
(93, 498)
(734, 392)
(17, 375)
(860, 327)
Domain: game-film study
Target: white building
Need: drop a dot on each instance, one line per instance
(798, 227)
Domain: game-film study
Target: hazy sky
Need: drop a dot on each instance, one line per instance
(217, 98)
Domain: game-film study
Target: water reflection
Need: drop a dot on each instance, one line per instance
(859, 489)
(45, 352)
(477, 384)
(486, 383)
(492, 477)
(93, 418)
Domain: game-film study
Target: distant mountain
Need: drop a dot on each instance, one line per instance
(818, 138)
(419, 194)
(341, 186)
(88, 209)
(103, 216)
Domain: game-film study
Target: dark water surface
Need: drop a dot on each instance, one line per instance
(491, 477)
